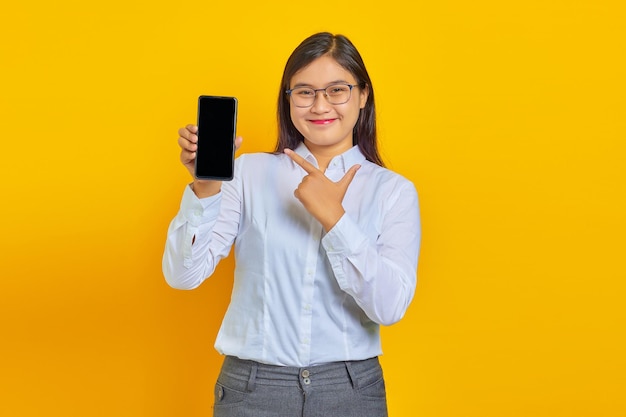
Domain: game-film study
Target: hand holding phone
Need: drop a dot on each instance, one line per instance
(215, 155)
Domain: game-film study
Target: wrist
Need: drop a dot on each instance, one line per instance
(332, 219)
(206, 188)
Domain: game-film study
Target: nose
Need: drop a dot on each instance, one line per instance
(320, 105)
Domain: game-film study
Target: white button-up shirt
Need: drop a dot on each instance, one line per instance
(301, 296)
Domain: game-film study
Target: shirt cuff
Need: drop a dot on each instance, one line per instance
(199, 210)
(345, 237)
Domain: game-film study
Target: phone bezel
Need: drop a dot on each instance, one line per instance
(234, 132)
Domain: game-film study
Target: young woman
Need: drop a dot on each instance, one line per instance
(326, 245)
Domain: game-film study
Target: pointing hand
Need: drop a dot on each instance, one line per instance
(319, 195)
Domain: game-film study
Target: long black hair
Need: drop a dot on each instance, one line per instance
(344, 52)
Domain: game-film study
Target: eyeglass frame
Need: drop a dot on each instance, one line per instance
(315, 90)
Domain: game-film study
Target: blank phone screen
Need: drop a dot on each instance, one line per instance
(216, 133)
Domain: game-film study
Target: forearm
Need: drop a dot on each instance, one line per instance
(380, 273)
(185, 264)
(383, 291)
(187, 259)
(383, 287)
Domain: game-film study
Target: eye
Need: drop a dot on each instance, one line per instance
(303, 92)
(334, 90)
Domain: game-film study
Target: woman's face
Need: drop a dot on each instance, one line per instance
(326, 126)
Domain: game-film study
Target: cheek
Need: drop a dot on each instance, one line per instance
(355, 112)
(297, 118)
(293, 113)
(297, 115)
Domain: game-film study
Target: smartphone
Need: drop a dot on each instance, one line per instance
(217, 121)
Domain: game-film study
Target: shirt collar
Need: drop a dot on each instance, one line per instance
(344, 161)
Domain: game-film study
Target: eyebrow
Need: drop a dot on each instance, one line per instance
(328, 84)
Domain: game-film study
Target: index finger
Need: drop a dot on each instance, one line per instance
(188, 133)
(306, 165)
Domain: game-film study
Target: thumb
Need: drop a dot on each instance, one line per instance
(347, 179)
(238, 142)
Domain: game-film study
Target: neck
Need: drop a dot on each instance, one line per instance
(324, 154)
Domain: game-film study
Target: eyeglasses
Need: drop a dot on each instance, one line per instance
(335, 94)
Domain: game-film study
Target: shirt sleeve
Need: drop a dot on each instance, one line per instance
(380, 275)
(200, 235)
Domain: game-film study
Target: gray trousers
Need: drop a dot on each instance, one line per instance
(341, 389)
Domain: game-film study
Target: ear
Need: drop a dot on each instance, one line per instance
(363, 95)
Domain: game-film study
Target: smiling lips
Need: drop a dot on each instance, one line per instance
(322, 121)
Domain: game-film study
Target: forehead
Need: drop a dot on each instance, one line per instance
(322, 70)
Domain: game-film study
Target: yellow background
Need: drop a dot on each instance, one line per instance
(508, 116)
